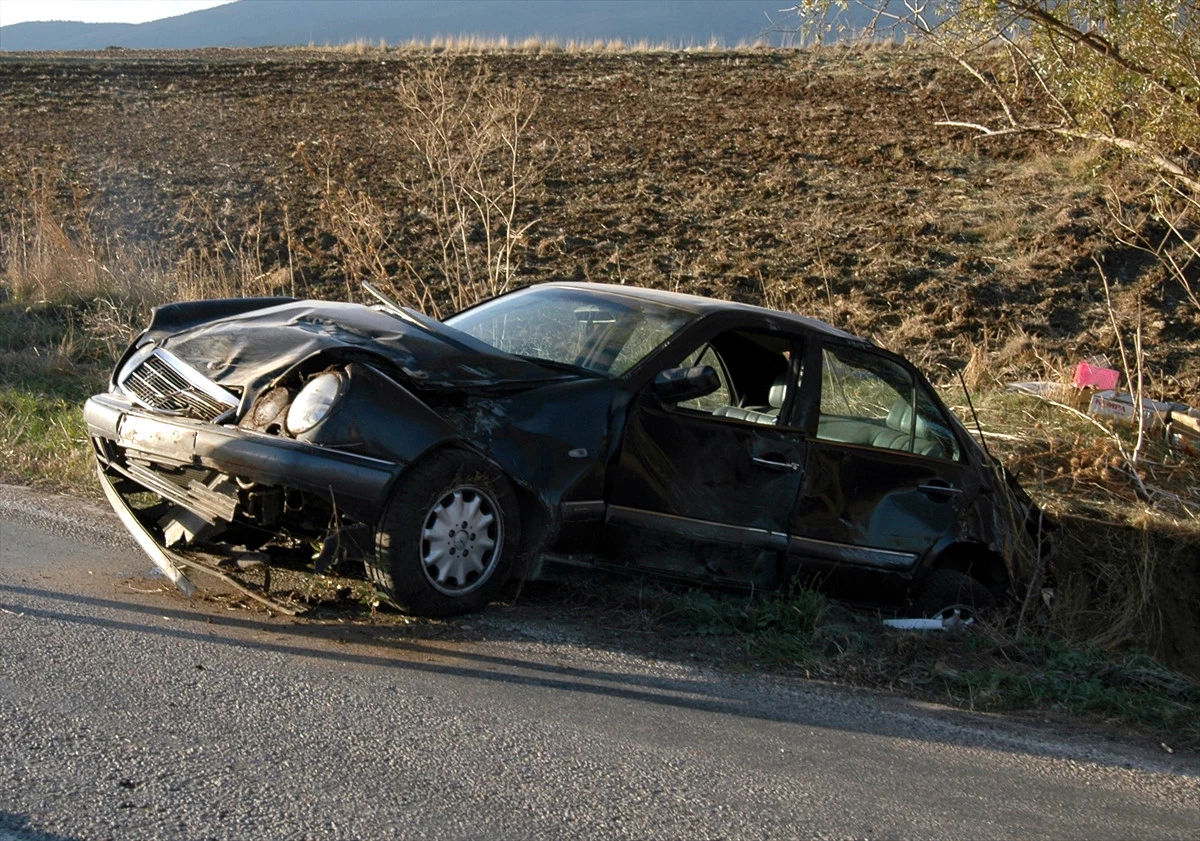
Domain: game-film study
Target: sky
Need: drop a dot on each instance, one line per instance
(98, 11)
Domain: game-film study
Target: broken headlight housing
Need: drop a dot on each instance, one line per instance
(315, 401)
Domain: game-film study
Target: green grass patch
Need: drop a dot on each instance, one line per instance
(43, 441)
(1049, 675)
(49, 365)
(804, 629)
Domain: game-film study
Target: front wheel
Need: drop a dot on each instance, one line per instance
(446, 542)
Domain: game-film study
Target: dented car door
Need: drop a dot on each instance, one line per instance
(887, 482)
(705, 489)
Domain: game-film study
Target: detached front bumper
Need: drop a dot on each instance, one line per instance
(126, 439)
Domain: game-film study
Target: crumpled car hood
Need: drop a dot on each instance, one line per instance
(250, 342)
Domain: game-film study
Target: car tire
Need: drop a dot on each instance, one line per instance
(952, 595)
(446, 541)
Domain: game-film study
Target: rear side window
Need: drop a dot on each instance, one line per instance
(869, 400)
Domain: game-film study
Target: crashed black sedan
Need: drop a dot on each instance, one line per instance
(708, 441)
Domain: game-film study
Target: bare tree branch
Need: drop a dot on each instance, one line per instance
(1161, 163)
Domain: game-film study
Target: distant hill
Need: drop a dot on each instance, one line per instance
(254, 23)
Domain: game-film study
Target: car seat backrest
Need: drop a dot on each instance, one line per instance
(778, 391)
(892, 434)
(767, 415)
(900, 418)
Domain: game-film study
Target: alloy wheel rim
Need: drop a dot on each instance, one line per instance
(461, 541)
(956, 615)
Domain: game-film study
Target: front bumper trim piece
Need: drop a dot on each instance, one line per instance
(358, 484)
(164, 559)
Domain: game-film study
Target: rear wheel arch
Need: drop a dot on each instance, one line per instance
(952, 595)
(977, 561)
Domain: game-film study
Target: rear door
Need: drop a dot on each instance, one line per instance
(886, 479)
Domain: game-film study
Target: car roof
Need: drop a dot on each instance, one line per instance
(702, 306)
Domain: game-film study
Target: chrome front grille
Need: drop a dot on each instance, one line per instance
(162, 382)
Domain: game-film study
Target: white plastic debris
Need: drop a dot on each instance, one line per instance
(954, 619)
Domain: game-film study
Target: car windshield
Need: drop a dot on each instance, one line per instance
(596, 333)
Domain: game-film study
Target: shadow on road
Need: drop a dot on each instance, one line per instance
(791, 701)
(14, 827)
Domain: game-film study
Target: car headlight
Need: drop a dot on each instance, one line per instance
(314, 402)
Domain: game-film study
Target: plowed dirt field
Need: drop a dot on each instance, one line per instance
(813, 181)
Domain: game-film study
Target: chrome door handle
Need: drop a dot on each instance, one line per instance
(789, 466)
(939, 489)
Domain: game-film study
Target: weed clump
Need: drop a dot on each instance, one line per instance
(982, 667)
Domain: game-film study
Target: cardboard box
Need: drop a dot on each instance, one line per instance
(1185, 432)
(1120, 406)
(1186, 422)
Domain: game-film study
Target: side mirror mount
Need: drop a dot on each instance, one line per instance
(674, 385)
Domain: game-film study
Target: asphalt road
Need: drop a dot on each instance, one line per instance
(128, 712)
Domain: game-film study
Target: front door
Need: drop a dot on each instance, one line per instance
(706, 489)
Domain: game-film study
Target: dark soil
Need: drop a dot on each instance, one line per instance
(814, 181)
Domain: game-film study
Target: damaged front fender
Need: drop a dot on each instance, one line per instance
(359, 483)
(376, 416)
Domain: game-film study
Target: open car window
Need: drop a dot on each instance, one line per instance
(869, 400)
(755, 372)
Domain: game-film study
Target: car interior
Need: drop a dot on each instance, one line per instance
(865, 399)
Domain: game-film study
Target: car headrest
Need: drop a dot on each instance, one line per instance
(778, 392)
(900, 418)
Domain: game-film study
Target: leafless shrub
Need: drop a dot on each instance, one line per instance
(466, 164)
(1168, 229)
(470, 138)
(51, 255)
(371, 239)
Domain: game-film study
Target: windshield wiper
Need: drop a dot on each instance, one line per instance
(391, 306)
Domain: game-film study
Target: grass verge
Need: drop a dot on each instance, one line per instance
(47, 370)
(982, 668)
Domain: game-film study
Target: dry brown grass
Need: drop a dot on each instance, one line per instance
(1126, 561)
(466, 44)
(51, 256)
